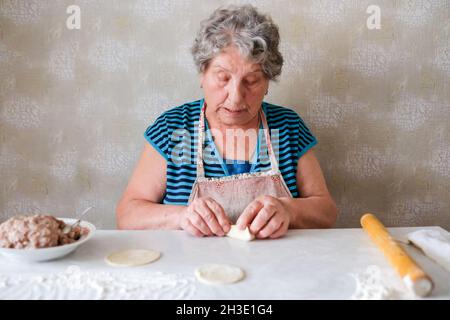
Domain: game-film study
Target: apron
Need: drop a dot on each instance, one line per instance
(235, 192)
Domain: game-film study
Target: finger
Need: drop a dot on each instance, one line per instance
(280, 232)
(262, 218)
(222, 218)
(249, 213)
(210, 219)
(189, 227)
(272, 226)
(197, 221)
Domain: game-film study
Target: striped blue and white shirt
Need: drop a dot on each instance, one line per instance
(174, 135)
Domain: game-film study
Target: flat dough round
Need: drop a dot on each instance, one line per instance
(132, 258)
(219, 274)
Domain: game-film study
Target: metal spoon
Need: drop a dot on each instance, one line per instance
(67, 228)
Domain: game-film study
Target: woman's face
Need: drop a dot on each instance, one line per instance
(234, 88)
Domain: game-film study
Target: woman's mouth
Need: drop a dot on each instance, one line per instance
(234, 112)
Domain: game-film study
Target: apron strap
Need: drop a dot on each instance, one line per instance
(201, 129)
(273, 160)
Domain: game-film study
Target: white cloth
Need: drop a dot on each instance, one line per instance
(434, 243)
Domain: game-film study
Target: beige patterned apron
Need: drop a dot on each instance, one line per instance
(235, 192)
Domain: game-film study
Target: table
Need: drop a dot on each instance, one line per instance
(305, 264)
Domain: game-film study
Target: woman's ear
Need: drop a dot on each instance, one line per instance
(202, 77)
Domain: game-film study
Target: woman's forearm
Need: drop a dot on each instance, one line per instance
(305, 213)
(140, 214)
(312, 212)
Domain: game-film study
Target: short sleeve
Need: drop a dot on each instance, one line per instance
(157, 135)
(304, 138)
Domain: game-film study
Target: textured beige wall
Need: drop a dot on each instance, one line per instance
(75, 103)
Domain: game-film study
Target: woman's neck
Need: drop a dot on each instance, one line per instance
(244, 143)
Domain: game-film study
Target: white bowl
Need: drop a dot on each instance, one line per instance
(45, 254)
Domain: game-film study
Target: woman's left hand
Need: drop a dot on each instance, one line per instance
(266, 217)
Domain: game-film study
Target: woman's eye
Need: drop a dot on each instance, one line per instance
(252, 82)
(222, 78)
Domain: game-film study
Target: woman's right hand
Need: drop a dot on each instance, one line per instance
(205, 217)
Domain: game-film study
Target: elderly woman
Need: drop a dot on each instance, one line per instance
(229, 158)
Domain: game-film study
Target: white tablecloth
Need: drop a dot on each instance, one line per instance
(305, 264)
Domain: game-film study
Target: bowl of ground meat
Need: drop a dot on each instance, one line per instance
(41, 237)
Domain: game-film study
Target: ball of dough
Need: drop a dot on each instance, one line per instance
(219, 274)
(244, 235)
(132, 258)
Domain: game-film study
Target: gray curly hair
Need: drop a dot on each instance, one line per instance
(254, 34)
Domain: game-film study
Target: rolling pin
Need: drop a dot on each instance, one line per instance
(413, 276)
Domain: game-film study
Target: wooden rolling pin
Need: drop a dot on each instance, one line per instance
(413, 276)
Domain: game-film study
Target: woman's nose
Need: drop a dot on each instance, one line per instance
(236, 95)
